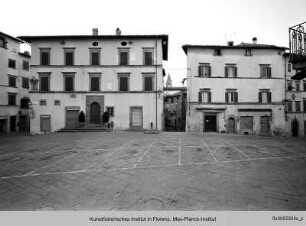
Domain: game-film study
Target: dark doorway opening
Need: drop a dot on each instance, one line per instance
(210, 123)
(13, 123)
(295, 128)
(231, 127)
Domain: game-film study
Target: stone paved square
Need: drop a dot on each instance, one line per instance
(166, 171)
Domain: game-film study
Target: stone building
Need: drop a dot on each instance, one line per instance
(120, 74)
(14, 85)
(236, 88)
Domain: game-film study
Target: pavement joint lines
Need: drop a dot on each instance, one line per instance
(206, 146)
(141, 157)
(180, 151)
(237, 149)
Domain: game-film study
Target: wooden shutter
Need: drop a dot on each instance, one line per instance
(123, 58)
(148, 86)
(209, 97)
(200, 97)
(269, 97)
(148, 58)
(235, 72)
(209, 71)
(226, 72)
(236, 97)
(123, 83)
(44, 83)
(68, 83)
(95, 83)
(226, 97)
(261, 72)
(200, 71)
(45, 58)
(69, 58)
(259, 97)
(269, 72)
(95, 58)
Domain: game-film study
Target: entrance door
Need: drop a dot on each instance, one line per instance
(210, 123)
(295, 128)
(95, 113)
(13, 123)
(136, 118)
(45, 123)
(231, 128)
(72, 121)
(264, 125)
(23, 123)
(2, 125)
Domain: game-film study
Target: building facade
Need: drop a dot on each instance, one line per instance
(120, 74)
(236, 88)
(14, 85)
(295, 113)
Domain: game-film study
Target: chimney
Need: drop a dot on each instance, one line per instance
(230, 43)
(254, 40)
(95, 31)
(118, 31)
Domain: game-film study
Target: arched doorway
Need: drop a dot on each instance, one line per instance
(95, 113)
(231, 127)
(295, 128)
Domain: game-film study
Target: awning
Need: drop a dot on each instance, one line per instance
(300, 75)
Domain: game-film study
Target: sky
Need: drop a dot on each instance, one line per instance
(206, 22)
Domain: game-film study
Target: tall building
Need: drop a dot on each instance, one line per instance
(236, 88)
(118, 74)
(14, 85)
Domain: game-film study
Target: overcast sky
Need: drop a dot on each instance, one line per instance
(186, 22)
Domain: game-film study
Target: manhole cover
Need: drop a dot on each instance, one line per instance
(153, 204)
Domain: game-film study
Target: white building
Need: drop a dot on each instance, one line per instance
(14, 85)
(236, 88)
(121, 74)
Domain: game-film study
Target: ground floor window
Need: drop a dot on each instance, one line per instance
(111, 112)
(45, 123)
(246, 123)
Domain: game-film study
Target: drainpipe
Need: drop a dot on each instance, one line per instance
(156, 80)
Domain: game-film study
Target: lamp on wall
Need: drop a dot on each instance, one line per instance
(160, 92)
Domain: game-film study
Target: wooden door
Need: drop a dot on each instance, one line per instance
(45, 123)
(264, 125)
(13, 123)
(95, 115)
(231, 127)
(136, 118)
(295, 128)
(72, 117)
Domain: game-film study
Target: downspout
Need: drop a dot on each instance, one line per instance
(156, 81)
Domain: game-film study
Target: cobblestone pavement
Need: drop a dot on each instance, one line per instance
(166, 171)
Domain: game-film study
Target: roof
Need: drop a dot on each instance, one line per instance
(300, 75)
(163, 37)
(11, 37)
(239, 46)
(25, 55)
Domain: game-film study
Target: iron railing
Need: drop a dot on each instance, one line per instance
(297, 41)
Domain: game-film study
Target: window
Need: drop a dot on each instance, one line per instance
(12, 81)
(25, 65)
(264, 97)
(204, 70)
(148, 56)
(248, 52)
(205, 96)
(12, 63)
(25, 83)
(110, 111)
(304, 86)
(12, 99)
(230, 71)
(265, 71)
(217, 52)
(69, 57)
(95, 56)
(68, 82)
(57, 102)
(44, 81)
(24, 103)
(289, 85)
(42, 102)
(123, 82)
(45, 56)
(289, 106)
(231, 96)
(289, 67)
(297, 85)
(148, 82)
(298, 106)
(123, 57)
(94, 82)
(304, 105)
(2, 42)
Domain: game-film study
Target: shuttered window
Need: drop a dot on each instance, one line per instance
(44, 82)
(231, 97)
(264, 97)
(123, 57)
(123, 83)
(148, 57)
(69, 57)
(25, 83)
(45, 57)
(12, 63)
(12, 81)
(297, 85)
(204, 70)
(265, 71)
(289, 106)
(69, 83)
(304, 106)
(12, 99)
(95, 57)
(25, 65)
(95, 84)
(230, 71)
(205, 97)
(298, 106)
